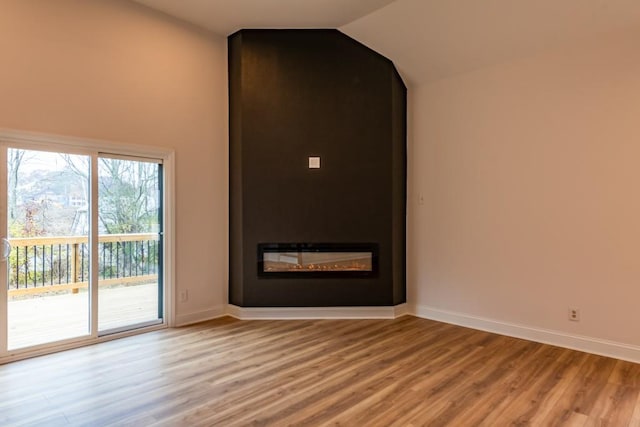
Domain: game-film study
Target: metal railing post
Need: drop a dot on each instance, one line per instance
(74, 266)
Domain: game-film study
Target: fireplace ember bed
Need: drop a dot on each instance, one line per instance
(320, 260)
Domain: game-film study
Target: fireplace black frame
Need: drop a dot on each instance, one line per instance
(318, 247)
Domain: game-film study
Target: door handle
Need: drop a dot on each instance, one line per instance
(6, 249)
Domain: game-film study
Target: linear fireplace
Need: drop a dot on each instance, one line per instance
(317, 259)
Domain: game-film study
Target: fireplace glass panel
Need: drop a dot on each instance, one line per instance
(318, 260)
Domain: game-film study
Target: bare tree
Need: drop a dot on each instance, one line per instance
(128, 194)
(15, 159)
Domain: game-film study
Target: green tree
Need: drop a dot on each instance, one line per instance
(19, 271)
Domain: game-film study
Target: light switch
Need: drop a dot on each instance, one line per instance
(314, 162)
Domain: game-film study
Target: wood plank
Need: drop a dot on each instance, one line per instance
(37, 319)
(46, 289)
(615, 405)
(581, 394)
(635, 417)
(626, 373)
(402, 372)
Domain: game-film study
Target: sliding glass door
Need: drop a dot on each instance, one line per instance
(82, 246)
(130, 242)
(47, 253)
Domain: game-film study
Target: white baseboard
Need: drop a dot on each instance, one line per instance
(561, 339)
(598, 346)
(401, 310)
(200, 316)
(287, 313)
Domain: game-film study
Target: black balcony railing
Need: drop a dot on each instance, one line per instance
(43, 264)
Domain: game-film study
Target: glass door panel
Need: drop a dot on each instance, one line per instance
(48, 263)
(130, 243)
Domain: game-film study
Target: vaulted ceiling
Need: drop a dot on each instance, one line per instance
(227, 16)
(427, 39)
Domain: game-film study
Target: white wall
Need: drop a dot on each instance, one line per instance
(528, 170)
(530, 173)
(116, 71)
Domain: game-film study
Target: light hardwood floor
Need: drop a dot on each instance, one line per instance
(403, 372)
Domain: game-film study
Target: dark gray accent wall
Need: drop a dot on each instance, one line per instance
(300, 93)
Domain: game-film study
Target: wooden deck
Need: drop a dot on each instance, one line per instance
(35, 319)
(403, 372)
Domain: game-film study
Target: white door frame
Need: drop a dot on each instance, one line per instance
(3, 264)
(92, 147)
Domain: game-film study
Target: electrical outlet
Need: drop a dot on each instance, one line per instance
(184, 296)
(574, 314)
